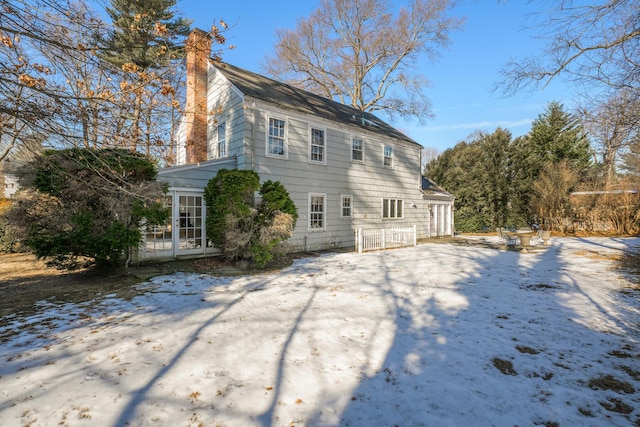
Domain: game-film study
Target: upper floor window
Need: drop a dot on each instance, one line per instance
(221, 134)
(357, 150)
(317, 147)
(346, 207)
(276, 139)
(392, 208)
(317, 205)
(388, 156)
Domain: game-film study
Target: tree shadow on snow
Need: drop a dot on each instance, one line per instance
(447, 335)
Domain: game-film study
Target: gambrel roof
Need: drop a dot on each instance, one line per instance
(288, 97)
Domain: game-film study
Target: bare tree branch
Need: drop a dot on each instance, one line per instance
(594, 45)
(361, 53)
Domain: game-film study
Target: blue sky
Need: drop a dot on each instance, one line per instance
(461, 80)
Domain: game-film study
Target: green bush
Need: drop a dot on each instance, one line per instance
(241, 230)
(84, 207)
(228, 193)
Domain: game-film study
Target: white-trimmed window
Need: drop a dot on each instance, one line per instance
(317, 211)
(277, 138)
(221, 139)
(346, 206)
(392, 208)
(387, 153)
(317, 146)
(357, 150)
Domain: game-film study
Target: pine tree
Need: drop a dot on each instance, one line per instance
(146, 33)
(557, 135)
(145, 40)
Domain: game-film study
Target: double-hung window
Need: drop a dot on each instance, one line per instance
(276, 138)
(357, 150)
(346, 206)
(317, 146)
(388, 156)
(221, 134)
(317, 211)
(392, 208)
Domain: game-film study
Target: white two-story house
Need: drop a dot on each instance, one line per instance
(344, 168)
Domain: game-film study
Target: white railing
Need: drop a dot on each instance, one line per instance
(385, 238)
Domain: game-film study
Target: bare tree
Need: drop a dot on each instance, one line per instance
(56, 86)
(613, 126)
(428, 155)
(361, 53)
(550, 201)
(591, 44)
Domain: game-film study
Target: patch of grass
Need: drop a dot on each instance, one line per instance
(617, 405)
(539, 287)
(608, 382)
(632, 373)
(586, 412)
(525, 349)
(622, 354)
(544, 375)
(504, 366)
(561, 365)
(629, 264)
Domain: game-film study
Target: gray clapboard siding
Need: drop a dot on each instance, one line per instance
(367, 183)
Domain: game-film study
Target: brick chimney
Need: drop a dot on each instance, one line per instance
(198, 49)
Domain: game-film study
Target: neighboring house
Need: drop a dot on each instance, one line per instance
(9, 177)
(343, 168)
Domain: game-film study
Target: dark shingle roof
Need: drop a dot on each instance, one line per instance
(291, 98)
(431, 188)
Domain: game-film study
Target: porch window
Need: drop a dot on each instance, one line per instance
(158, 238)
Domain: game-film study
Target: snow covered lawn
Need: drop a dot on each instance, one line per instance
(436, 335)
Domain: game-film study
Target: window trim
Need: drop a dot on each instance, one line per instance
(323, 213)
(285, 145)
(222, 125)
(385, 157)
(392, 209)
(353, 137)
(344, 197)
(324, 146)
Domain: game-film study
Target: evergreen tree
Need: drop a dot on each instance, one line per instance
(631, 159)
(494, 175)
(557, 135)
(83, 207)
(489, 178)
(146, 33)
(522, 170)
(240, 229)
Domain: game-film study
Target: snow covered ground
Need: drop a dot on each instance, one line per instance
(436, 335)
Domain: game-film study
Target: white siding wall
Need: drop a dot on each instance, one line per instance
(367, 183)
(225, 104)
